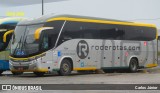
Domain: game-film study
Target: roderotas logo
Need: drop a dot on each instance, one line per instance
(82, 49)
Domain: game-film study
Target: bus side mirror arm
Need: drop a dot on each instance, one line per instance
(39, 30)
(5, 35)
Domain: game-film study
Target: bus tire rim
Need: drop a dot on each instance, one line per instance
(65, 67)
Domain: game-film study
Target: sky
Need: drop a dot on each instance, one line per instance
(147, 11)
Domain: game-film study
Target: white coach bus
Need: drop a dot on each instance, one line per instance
(68, 43)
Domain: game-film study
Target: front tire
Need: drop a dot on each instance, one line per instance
(133, 66)
(17, 73)
(1, 71)
(65, 68)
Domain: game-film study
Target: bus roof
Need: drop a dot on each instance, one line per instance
(52, 17)
(10, 20)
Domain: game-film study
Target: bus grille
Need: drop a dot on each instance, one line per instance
(21, 67)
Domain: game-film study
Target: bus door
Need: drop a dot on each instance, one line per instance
(45, 45)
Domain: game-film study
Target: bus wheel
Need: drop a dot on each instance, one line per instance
(1, 71)
(133, 66)
(65, 68)
(39, 74)
(17, 73)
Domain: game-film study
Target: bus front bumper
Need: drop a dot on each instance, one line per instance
(26, 67)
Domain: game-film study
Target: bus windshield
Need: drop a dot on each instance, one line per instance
(3, 30)
(23, 42)
(1, 40)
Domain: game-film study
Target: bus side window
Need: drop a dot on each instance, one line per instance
(67, 35)
(51, 37)
(111, 32)
(120, 34)
(70, 31)
(45, 42)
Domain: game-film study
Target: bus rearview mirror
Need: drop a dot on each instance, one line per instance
(5, 35)
(39, 31)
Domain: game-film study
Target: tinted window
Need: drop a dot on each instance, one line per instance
(84, 30)
(121, 32)
(3, 29)
(111, 32)
(2, 44)
(51, 35)
(75, 30)
(140, 33)
(8, 26)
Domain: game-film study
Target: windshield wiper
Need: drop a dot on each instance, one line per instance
(17, 45)
(23, 39)
(23, 43)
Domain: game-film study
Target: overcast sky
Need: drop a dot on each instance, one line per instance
(133, 10)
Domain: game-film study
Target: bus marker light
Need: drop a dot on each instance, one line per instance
(126, 54)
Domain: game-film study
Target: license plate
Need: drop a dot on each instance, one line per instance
(20, 68)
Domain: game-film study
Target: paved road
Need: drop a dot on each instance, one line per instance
(145, 76)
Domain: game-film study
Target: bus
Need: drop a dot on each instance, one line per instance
(7, 25)
(66, 43)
